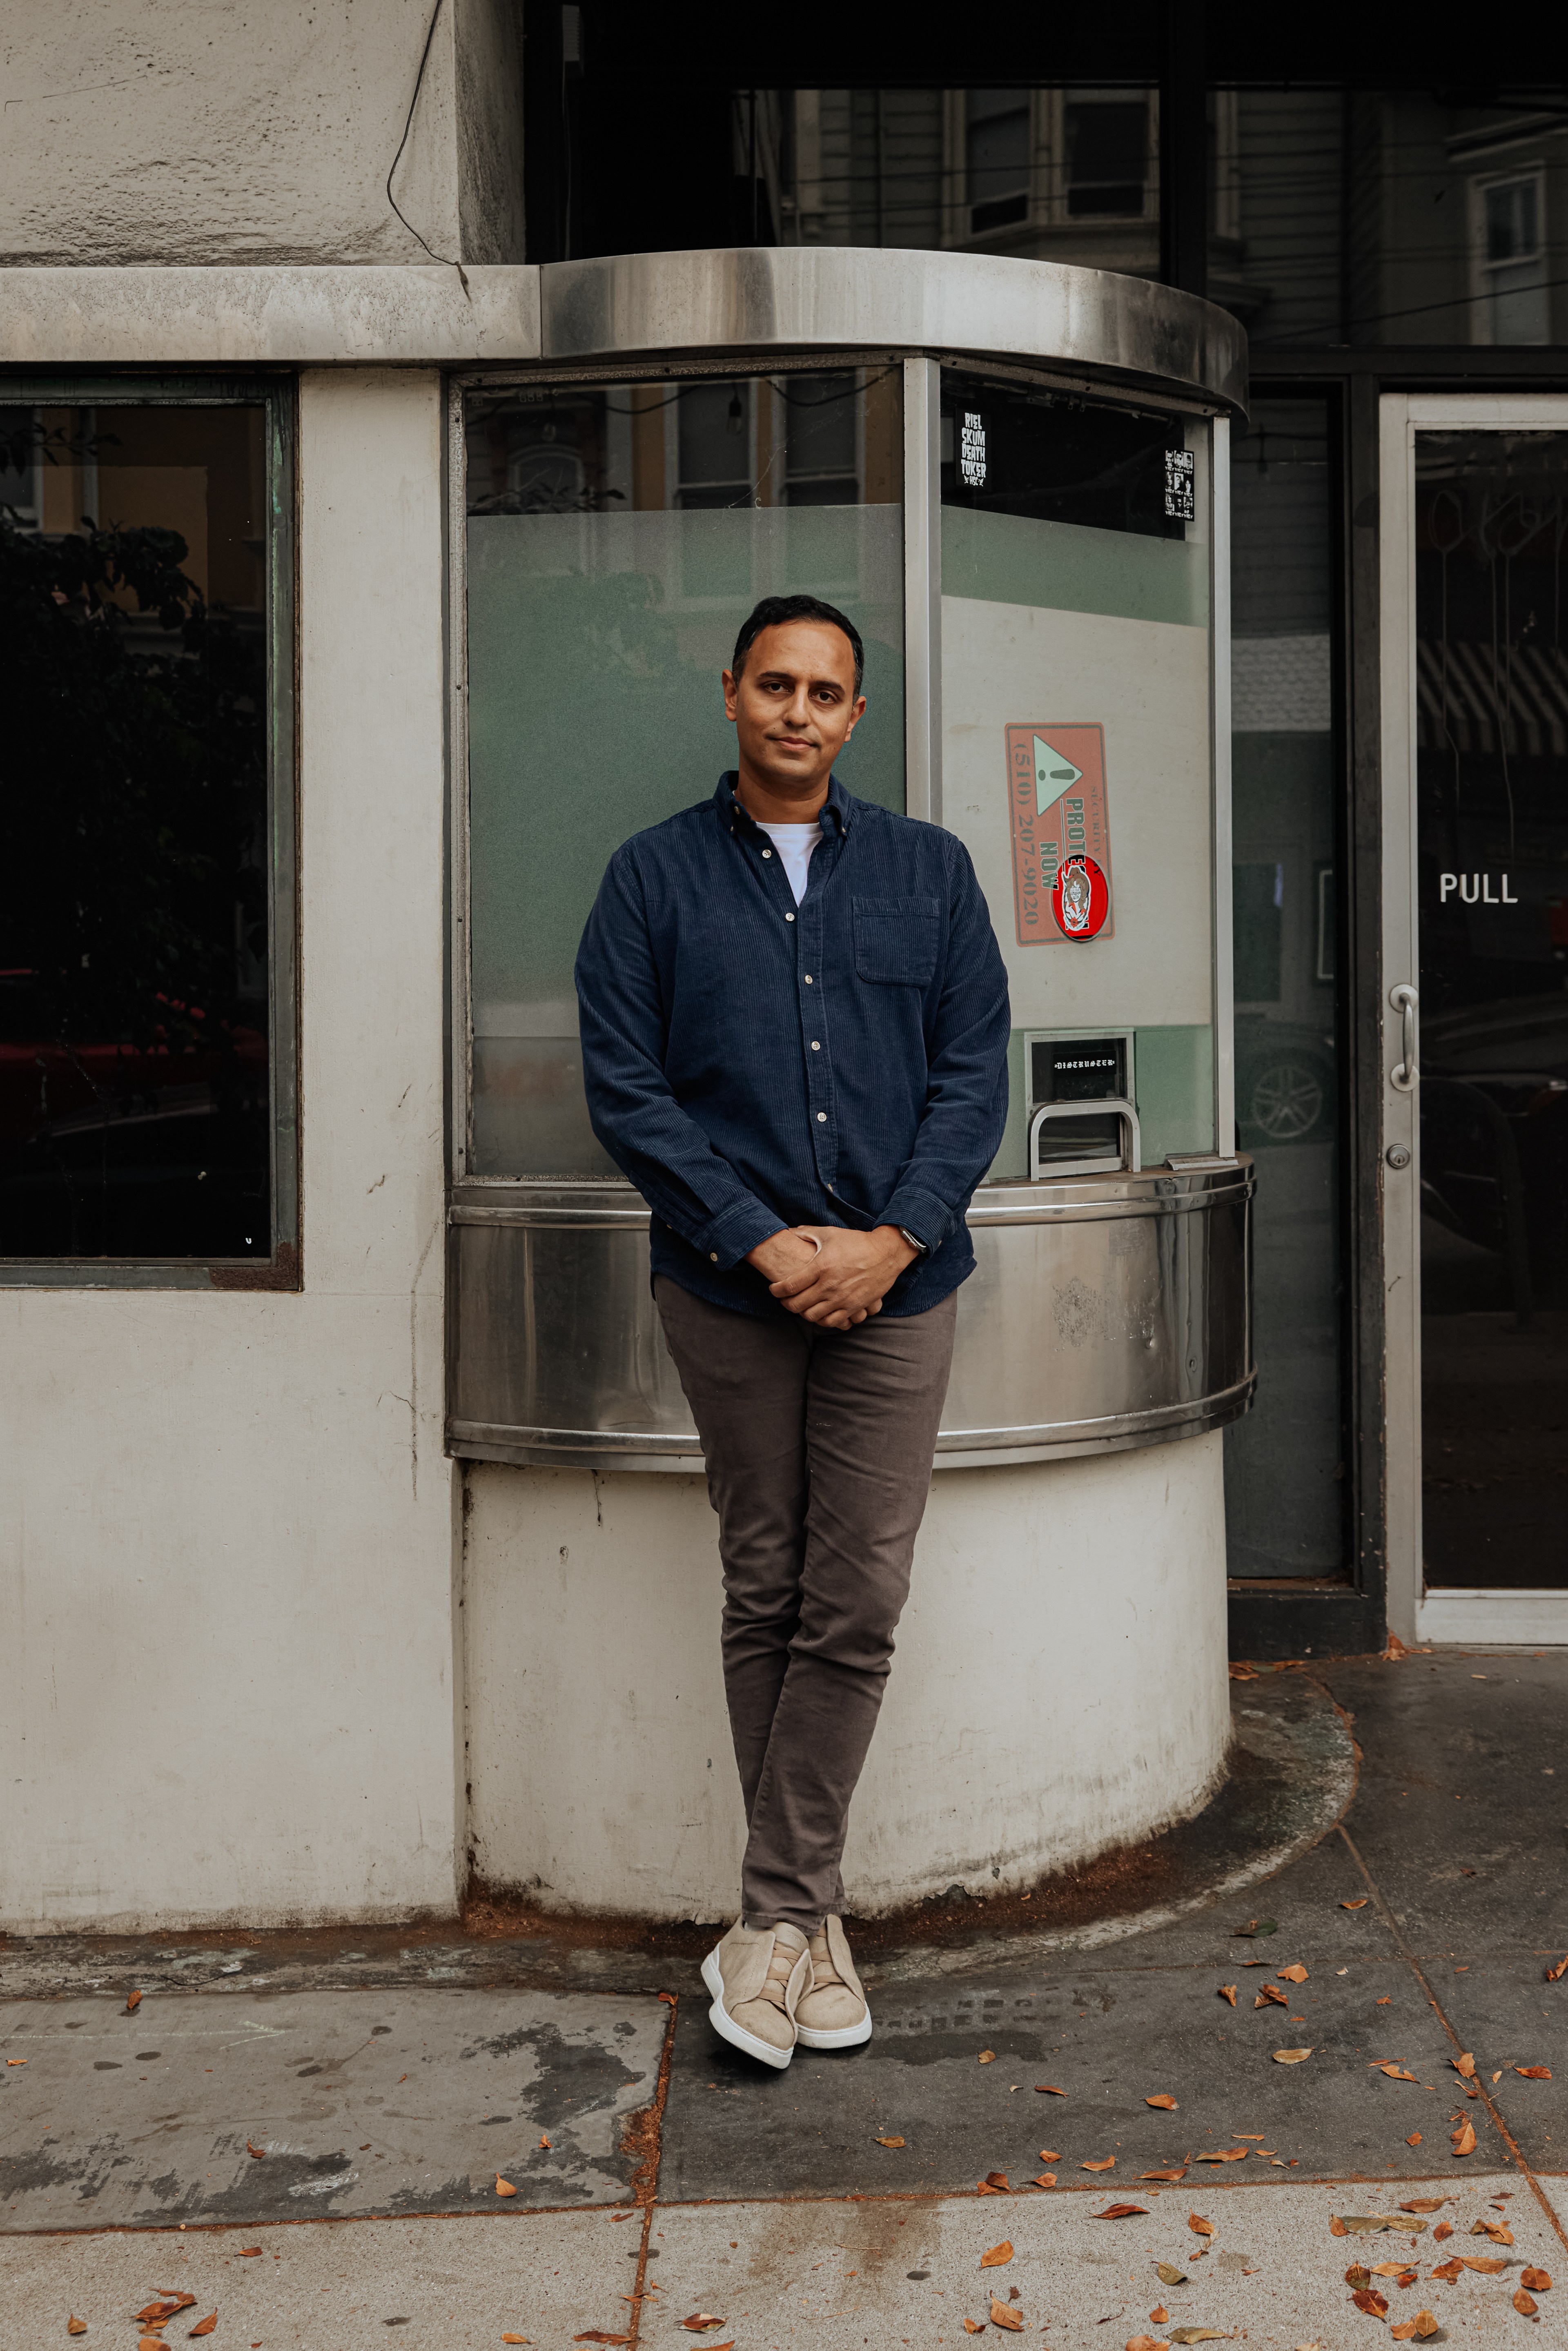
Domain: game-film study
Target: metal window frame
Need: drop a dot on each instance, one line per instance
(276, 394)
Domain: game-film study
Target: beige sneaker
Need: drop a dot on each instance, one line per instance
(756, 1977)
(833, 2013)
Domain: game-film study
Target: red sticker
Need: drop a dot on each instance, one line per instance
(1059, 820)
(1081, 899)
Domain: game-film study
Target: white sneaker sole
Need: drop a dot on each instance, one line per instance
(848, 2036)
(735, 2034)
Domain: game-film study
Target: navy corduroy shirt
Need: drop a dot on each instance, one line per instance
(752, 1064)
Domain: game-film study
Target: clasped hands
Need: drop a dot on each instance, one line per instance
(839, 1284)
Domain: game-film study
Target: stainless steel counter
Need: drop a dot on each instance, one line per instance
(1107, 1312)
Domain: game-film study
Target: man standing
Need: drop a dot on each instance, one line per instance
(794, 1020)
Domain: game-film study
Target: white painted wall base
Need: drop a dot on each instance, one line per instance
(1059, 1685)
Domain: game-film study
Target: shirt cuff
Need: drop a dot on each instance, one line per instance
(927, 1217)
(727, 1240)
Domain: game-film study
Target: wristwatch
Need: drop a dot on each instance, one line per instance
(915, 1243)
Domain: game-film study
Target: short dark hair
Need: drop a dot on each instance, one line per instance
(774, 610)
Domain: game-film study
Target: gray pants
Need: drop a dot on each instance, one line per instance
(819, 1447)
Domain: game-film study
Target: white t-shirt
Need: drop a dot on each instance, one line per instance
(794, 843)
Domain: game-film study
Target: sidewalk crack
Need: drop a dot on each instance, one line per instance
(1482, 2091)
(647, 2138)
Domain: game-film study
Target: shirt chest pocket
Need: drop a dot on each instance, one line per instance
(897, 940)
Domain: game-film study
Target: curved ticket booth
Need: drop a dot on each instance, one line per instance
(1012, 477)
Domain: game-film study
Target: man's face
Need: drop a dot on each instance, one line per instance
(794, 705)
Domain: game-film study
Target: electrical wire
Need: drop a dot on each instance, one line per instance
(445, 258)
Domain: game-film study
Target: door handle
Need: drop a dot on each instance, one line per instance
(1405, 1073)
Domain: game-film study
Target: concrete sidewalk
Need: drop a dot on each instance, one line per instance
(189, 2145)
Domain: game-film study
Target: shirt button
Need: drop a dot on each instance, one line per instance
(815, 1046)
(713, 1256)
(808, 975)
(788, 918)
(767, 853)
(821, 1118)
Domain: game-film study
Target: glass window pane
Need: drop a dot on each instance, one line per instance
(618, 535)
(136, 1120)
(1491, 687)
(1283, 1483)
(1076, 715)
(1107, 157)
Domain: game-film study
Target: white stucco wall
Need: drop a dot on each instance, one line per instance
(258, 131)
(227, 1528)
(1060, 1684)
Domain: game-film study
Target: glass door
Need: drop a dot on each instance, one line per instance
(1476, 1158)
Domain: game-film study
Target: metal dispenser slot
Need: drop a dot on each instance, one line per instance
(1083, 1084)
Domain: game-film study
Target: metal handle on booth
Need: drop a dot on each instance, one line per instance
(1132, 1141)
(1405, 1075)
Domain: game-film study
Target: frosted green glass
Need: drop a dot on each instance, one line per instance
(1066, 566)
(595, 642)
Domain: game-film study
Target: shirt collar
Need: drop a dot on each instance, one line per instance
(837, 808)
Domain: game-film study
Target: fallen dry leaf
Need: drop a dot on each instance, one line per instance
(74, 2325)
(1449, 2271)
(1179, 2174)
(1425, 2204)
(987, 2056)
(1049, 2090)
(1400, 2270)
(1002, 2316)
(1168, 2273)
(1266, 1992)
(1169, 2104)
(1199, 2225)
(260, 2152)
(1049, 2155)
(21, 2060)
(1557, 1974)
(1487, 2263)
(1198, 2335)
(700, 2320)
(1359, 1904)
(1367, 2224)
(1495, 2230)
(998, 2255)
(1367, 2298)
(1465, 2139)
(1394, 2073)
(1295, 1973)
(1522, 2302)
(1444, 2229)
(1256, 1926)
(543, 2141)
(1159, 2315)
(1145, 2342)
(1225, 2155)
(987, 2188)
(997, 2181)
(1423, 2324)
(523, 2338)
(1336, 2225)
(1118, 2211)
(250, 2253)
(1046, 2179)
(157, 2312)
(974, 2326)
(206, 2326)
(134, 2002)
(1465, 2065)
(1414, 2139)
(1538, 2281)
(1291, 2056)
(1384, 2000)
(504, 2186)
(596, 2334)
(1532, 2073)
(890, 2142)
(1099, 2163)
(1358, 2274)
(1228, 1991)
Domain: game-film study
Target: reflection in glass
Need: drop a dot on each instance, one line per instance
(618, 535)
(1284, 1487)
(1492, 818)
(135, 1111)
